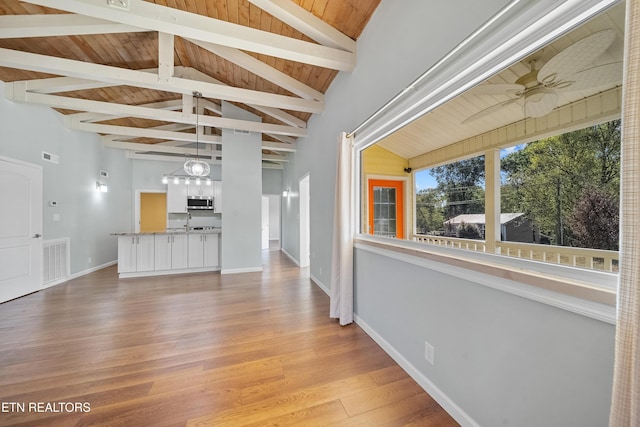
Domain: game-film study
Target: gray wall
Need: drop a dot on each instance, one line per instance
(242, 198)
(505, 360)
(272, 181)
(502, 359)
(86, 217)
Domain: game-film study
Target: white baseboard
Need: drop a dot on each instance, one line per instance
(290, 257)
(438, 395)
(78, 274)
(240, 270)
(319, 284)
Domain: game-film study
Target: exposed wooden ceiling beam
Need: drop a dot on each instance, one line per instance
(134, 132)
(307, 23)
(165, 57)
(19, 26)
(85, 70)
(193, 26)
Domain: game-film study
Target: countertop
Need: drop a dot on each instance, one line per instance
(215, 230)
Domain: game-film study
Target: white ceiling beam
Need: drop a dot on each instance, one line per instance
(20, 26)
(100, 117)
(276, 113)
(107, 142)
(162, 158)
(268, 165)
(193, 26)
(282, 138)
(279, 146)
(84, 70)
(68, 84)
(133, 132)
(261, 69)
(275, 158)
(150, 113)
(307, 23)
(165, 57)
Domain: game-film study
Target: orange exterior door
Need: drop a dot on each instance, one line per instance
(386, 208)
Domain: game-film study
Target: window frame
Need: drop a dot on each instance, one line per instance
(517, 32)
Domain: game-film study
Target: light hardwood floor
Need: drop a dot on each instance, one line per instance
(255, 349)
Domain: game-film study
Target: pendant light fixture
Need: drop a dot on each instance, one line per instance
(196, 167)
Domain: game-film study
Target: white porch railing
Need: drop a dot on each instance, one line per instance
(451, 242)
(593, 259)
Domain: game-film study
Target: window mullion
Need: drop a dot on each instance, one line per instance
(492, 199)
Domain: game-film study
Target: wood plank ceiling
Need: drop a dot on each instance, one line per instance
(127, 69)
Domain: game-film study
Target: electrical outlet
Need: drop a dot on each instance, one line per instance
(429, 353)
(90, 260)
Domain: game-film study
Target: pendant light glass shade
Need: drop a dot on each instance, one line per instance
(196, 167)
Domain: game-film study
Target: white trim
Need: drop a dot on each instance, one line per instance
(319, 284)
(576, 305)
(241, 270)
(434, 391)
(295, 261)
(167, 272)
(79, 274)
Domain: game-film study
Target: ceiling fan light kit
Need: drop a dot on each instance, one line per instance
(572, 69)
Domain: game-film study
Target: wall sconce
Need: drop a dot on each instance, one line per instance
(286, 193)
(408, 170)
(102, 188)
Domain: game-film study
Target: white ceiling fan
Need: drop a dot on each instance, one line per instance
(572, 69)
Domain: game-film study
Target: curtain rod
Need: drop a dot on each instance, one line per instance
(437, 65)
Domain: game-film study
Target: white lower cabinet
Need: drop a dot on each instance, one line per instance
(136, 254)
(170, 251)
(203, 250)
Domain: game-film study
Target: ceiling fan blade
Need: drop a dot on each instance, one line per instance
(598, 76)
(575, 58)
(539, 105)
(509, 89)
(487, 111)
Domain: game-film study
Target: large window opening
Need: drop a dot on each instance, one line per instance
(526, 164)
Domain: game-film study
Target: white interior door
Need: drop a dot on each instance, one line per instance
(265, 222)
(20, 229)
(305, 222)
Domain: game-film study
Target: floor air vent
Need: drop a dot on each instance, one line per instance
(56, 260)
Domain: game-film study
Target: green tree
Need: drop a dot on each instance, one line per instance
(547, 177)
(429, 216)
(461, 186)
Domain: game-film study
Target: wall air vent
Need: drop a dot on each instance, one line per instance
(241, 132)
(50, 157)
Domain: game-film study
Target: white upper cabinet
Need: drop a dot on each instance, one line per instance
(176, 197)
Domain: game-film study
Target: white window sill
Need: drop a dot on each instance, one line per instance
(586, 292)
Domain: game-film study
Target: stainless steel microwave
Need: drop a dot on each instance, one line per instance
(199, 202)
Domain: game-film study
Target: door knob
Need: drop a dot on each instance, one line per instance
(35, 236)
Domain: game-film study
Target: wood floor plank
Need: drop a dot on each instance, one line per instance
(254, 349)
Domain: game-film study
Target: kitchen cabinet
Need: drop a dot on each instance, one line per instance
(170, 251)
(176, 197)
(136, 254)
(216, 187)
(202, 190)
(203, 250)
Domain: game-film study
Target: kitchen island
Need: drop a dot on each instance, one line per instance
(175, 251)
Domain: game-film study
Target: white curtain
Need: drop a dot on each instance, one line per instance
(625, 404)
(341, 296)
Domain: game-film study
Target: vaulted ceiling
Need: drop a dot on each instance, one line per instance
(129, 69)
